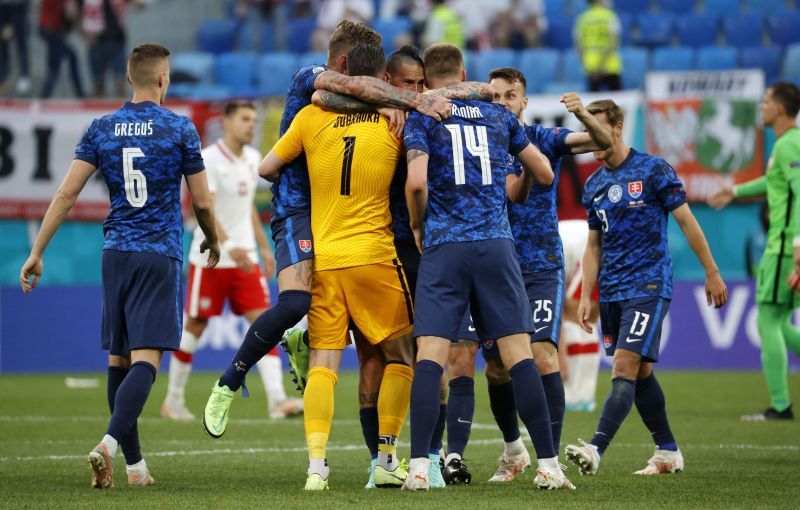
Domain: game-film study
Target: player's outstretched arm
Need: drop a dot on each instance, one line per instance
(727, 193)
(591, 268)
(536, 165)
(716, 291)
(417, 192)
(203, 205)
(465, 91)
(596, 137)
(78, 174)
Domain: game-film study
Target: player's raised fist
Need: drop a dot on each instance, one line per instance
(213, 252)
(573, 103)
(31, 268)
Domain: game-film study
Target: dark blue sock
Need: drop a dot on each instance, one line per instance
(460, 409)
(618, 405)
(653, 409)
(264, 334)
(129, 400)
(424, 406)
(438, 432)
(532, 406)
(369, 427)
(554, 391)
(501, 400)
(130, 441)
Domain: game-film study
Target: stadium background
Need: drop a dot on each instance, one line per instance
(709, 94)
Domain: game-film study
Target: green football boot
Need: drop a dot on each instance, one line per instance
(217, 411)
(295, 345)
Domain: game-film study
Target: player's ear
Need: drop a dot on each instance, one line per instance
(386, 77)
(128, 78)
(343, 63)
(524, 103)
(463, 75)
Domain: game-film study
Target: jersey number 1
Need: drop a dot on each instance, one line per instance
(135, 181)
(347, 164)
(477, 145)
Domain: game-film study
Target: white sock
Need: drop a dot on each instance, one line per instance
(387, 461)
(139, 467)
(451, 456)
(178, 377)
(550, 465)
(271, 371)
(111, 445)
(319, 466)
(419, 465)
(515, 447)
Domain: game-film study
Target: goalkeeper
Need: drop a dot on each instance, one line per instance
(775, 296)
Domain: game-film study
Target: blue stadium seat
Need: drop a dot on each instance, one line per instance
(274, 72)
(390, 29)
(577, 6)
(266, 40)
(571, 67)
(697, 29)
(766, 6)
(655, 29)
(556, 7)
(195, 64)
(298, 34)
(540, 67)
(561, 87)
(791, 64)
(743, 29)
(672, 59)
(767, 58)
(559, 32)
(634, 67)
(721, 6)
(236, 70)
(634, 6)
(217, 35)
(717, 58)
(479, 63)
(626, 22)
(311, 58)
(784, 29)
(677, 6)
(256, 34)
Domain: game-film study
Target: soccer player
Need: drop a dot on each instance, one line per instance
(775, 298)
(351, 160)
(143, 151)
(533, 215)
(291, 226)
(628, 201)
(232, 169)
(456, 191)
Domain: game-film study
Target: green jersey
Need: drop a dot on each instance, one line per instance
(781, 183)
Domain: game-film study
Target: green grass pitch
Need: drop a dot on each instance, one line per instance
(46, 430)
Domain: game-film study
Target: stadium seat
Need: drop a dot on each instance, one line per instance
(479, 63)
(697, 29)
(633, 6)
(577, 6)
(266, 40)
(298, 34)
(626, 22)
(721, 6)
(236, 70)
(556, 7)
(634, 67)
(784, 29)
(717, 58)
(571, 67)
(191, 66)
(390, 29)
(766, 6)
(677, 6)
(258, 35)
(311, 58)
(274, 72)
(743, 29)
(540, 67)
(767, 58)
(559, 32)
(672, 59)
(655, 29)
(217, 35)
(791, 64)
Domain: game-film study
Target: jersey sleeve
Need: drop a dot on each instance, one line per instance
(517, 139)
(551, 141)
(415, 134)
(670, 189)
(290, 144)
(191, 158)
(86, 150)
(305, 78)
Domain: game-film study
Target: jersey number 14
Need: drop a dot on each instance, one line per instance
(477, 145)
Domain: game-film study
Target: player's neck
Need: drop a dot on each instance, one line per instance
(143, 96)
(618, 157)
(234, 146)
(782, 125)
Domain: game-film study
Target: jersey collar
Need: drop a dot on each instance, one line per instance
(138, 106)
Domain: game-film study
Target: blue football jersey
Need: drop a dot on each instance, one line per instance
(401, 221)
(291, 190)
(143, 151)
(630, 205)
(467, 168)
(534, 223)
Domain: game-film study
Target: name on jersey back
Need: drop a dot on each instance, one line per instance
(355, 118)
(133, 128)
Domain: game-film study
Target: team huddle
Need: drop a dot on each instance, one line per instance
(414, 214)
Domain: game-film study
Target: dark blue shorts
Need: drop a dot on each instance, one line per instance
(633, 325)
(292, 235)
(483, 276)
(409, 257)
(142, 302)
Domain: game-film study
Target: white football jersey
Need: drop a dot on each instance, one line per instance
(574, 236)
(233, 181)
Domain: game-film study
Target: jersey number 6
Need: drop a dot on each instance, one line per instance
(135, 181)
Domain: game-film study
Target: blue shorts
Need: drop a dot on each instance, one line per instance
(142, 302)
(482, 276)
(633, 325)
(292, 235)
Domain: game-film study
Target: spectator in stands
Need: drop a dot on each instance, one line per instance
(331, 12)
(518, 24)
(475, 18)
(597, 35)
(255, 12)
(14, 25)
(55, 22)
(444, 25)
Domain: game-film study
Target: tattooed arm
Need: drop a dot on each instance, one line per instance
(466, 90)
(341, 103)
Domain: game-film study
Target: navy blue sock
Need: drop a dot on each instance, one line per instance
(129, 400)
(618, 405)
(264, 334)
(554, 391)
(653, 409)
(532, 406)
(438, 432)
(424, 406)
(130, 441)
(369, 427)
(460, 409)
(501, 400)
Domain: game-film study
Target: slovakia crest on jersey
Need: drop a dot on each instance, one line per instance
(607, 341)
(305, 245)
(635, 189)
